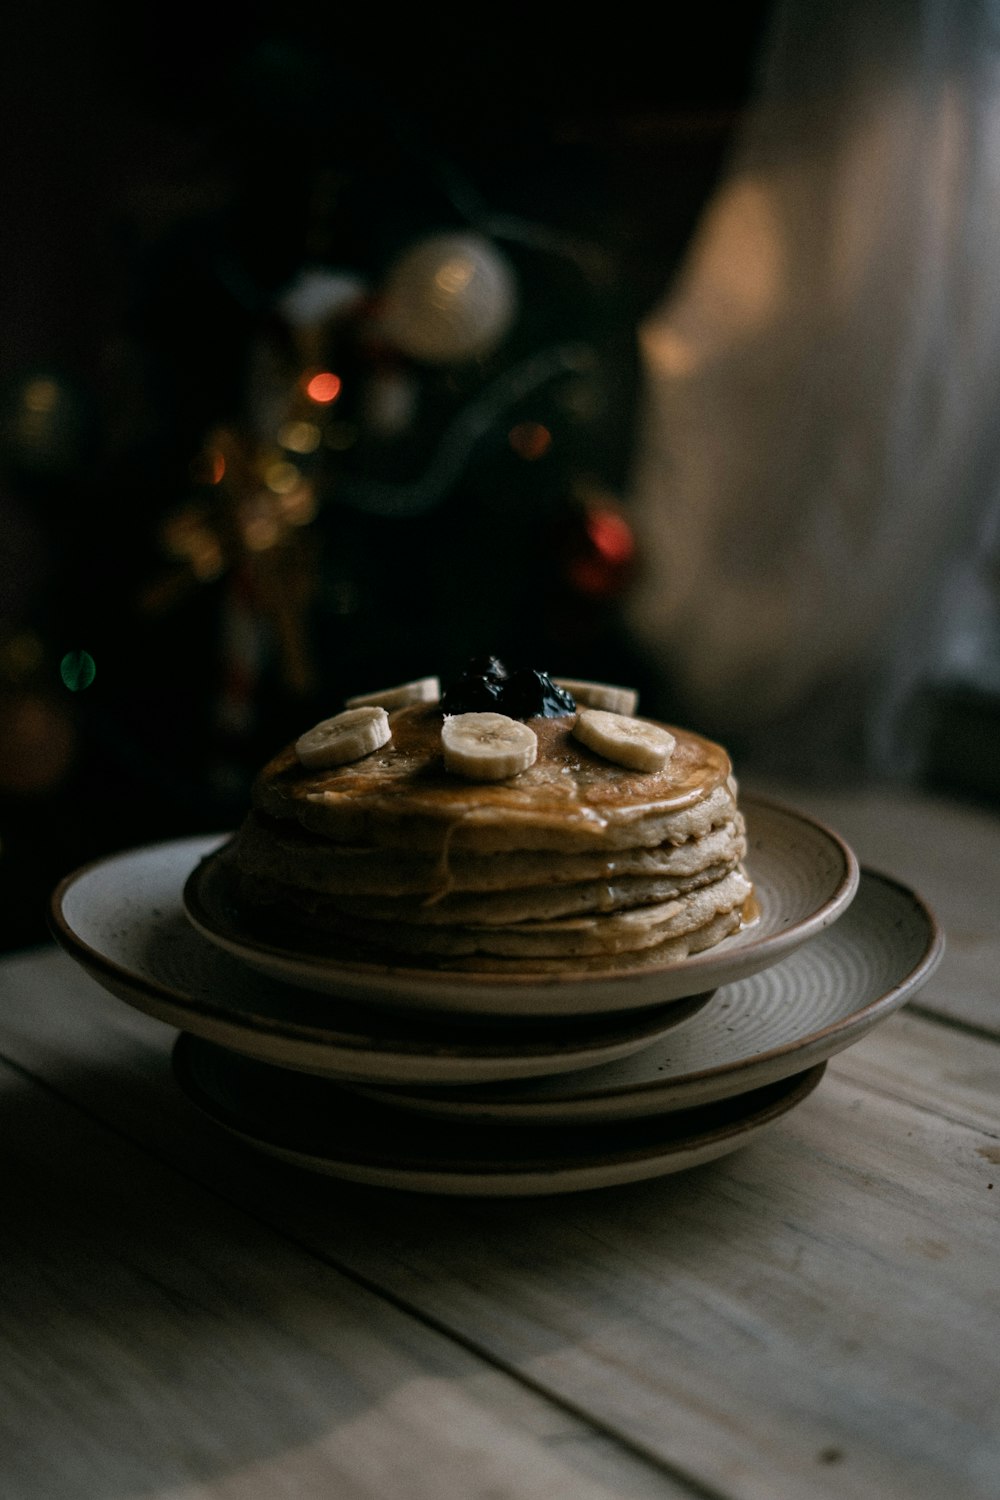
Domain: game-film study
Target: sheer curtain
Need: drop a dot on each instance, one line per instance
(818, 461)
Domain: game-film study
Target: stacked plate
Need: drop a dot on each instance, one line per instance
(363, 1071)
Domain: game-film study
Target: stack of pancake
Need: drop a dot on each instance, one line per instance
(574, 863)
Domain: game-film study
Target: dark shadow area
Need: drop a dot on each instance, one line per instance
(195, 563)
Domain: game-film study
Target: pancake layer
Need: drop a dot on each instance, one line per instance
(573, 862)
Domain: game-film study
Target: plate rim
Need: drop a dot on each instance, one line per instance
(847, 1028)
(757, 952)
(508, 1179)
(82, 951)
(176, 1007)
(809, 1046)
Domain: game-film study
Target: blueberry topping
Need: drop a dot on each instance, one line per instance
(530, 694)
(486, 685)
(486, 666)
(473, 693)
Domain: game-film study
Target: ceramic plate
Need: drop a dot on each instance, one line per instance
(317, 1124)
(804, 877)
(122, 919)
(799, 1012)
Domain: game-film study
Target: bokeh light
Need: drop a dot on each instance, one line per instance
(282, 478)
(41, 395)
(209, 468)
(323, 387)
(530, 440)
(611, 535)
(77, 670)
(300, 437)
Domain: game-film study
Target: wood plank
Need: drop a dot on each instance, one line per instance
(798, 1309)
(947, 851)
(814, 1316)
(156, 1341)
(957, 1076)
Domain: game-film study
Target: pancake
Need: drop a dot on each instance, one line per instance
(598, 933)
(290, 855)
(569, 801)
(575, 861)
(499, 908)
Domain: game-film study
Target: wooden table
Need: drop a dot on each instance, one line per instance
(817, 1314)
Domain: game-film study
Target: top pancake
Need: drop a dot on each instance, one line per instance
(570, 800)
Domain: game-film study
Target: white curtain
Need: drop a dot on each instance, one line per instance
(818, 462)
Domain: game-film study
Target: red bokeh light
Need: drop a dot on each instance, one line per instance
(323, 387)
(611, 536)
(530, 440)
(601, 560)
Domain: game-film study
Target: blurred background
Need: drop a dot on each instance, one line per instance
(340, 348)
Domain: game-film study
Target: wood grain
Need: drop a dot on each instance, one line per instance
(157, 1341)
(814, 1316)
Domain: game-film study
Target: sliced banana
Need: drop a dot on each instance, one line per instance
(487, 747)
(420, 690)
(634, 743)
(617, 700)
(348, 736)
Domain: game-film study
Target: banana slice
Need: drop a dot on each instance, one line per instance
(421, 690)
(487, 747)
(617, 700)
(346, 737)
(634, 743)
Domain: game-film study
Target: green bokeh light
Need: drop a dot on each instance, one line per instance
(77, 670)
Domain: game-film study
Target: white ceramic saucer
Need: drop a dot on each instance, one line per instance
(804, 875)
(322, 1127)
(122, 919)
(820, 999)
